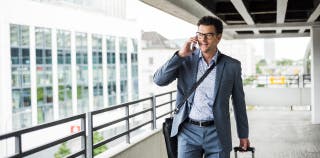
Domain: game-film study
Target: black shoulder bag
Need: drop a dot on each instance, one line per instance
(172, 142)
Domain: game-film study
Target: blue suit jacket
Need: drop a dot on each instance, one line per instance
(228, 83)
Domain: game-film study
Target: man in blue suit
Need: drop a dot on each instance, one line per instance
(203, 122)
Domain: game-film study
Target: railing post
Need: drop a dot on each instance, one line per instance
(18, 148)
(267, 82)
(298, 81)
(127, 124)
(83, 138)
(153, 115)
(90, 136)
(171, 107)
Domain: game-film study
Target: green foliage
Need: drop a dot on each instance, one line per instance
(249, 80)
(65, 89)
(79, 92)
(40, 116)
(63, 151)
(61, 93)
(40, 94)
(97, 137)
(260, 63)
(284, 62)
(308, 66)
(258, 70)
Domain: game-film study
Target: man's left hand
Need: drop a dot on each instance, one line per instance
(244, 143)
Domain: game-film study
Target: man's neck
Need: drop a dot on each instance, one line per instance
(208, 56)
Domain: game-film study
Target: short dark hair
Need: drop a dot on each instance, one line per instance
(210, 20)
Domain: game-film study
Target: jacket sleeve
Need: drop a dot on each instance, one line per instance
(239, 105)
(169, 71)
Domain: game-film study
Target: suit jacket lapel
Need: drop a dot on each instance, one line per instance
(219, 69)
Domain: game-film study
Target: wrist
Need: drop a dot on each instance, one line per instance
(180, 54)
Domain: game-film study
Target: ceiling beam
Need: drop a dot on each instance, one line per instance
(189, 11)
(282, 35)
(313, 17)
(281, 12)
(241, 8)
(286, 26)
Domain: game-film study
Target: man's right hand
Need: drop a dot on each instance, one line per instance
(186, 50)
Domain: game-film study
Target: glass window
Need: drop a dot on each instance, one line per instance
(25, 56)
(82, 72)
(123, 58)
(111, 58)
(64, 73)
(25, 36)
(48, 56)
(15, 56)
(111, 72)
(14, 35)
(97, 43)
(20, 73)
(135, 45)
(123, 44)
(111, 43)
(39, 57)
(68, 58)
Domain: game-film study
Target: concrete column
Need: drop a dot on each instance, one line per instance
(315, 74)
(74, 73)
(104, 69)
(129, 66)
(118, 71)
(55, 89)
(90, 73)
(33, 76)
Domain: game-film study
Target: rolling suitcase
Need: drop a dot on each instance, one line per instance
(236, 149)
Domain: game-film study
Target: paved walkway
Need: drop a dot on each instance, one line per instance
(282, 134)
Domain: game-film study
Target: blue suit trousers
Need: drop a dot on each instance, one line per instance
(198, 142)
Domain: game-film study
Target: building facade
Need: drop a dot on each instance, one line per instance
(155, 51)
(63, 59)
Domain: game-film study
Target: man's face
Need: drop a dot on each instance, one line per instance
(208, 38)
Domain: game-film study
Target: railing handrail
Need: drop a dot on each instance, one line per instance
(18, 142)
(287, 80)
(88, 128)
(126, 118)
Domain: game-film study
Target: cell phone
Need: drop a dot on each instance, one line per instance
(193, 46)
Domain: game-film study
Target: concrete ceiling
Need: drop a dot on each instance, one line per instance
(249, 18)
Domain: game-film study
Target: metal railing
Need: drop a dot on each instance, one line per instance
(17, 135)
(88, 120)
(277, 80)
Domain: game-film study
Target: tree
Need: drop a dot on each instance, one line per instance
(260, 63)
(284, 62)
(97, 137)
(63, 151)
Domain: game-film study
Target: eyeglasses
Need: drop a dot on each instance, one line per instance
(205, 35)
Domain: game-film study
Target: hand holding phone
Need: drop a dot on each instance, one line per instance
(194, 45)
(188, 47)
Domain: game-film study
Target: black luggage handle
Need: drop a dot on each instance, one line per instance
(236, 149)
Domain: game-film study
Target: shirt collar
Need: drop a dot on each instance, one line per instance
(214, 58)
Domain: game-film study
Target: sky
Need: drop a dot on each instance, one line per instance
(152, 19)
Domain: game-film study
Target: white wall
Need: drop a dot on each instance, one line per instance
(277, 96)
(241, 50)
(147, 70)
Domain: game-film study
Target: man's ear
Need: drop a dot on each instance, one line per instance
(219, 36)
